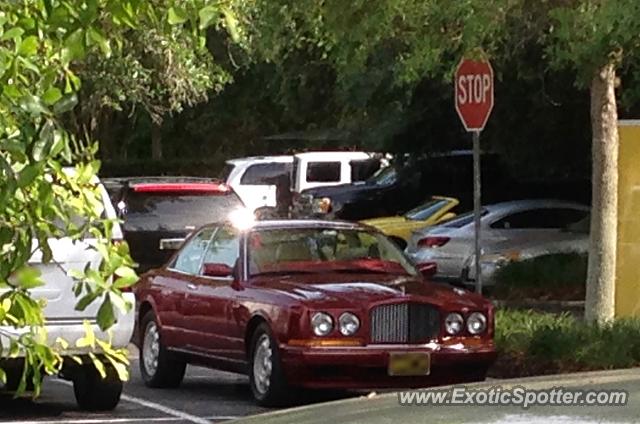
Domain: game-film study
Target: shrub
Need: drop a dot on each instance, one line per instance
(559, 276)
(530, 343)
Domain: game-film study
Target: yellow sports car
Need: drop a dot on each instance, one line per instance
(436, 210)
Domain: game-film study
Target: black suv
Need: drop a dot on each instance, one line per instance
(159, 212)
(409, 181)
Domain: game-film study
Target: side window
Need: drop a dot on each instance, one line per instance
(190, 257)
(323, 172)
(363, 169)
(546, 218)
(224, 248)
(264, 173)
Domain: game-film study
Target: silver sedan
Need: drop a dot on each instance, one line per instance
(536, 225)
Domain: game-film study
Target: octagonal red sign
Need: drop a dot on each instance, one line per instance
(474, 93)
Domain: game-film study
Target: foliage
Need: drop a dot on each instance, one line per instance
(45, 46)
(559, 276)
(541, 343)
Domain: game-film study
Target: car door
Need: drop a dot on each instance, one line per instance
(174, 285)
(209, 302)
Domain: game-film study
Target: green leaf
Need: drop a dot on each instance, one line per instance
(13, 33)
(99, 365)
(231, 23)
(74, 46)
(65, 104)
(33, 105)
(86, 300)
(28, 175)
(106, 317)
(51, 96)
(3, 376)
(29, 278)
(207, 14)
(177, 15)
(97, 37)
(29, 46)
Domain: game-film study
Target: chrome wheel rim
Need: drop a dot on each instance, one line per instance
(151, 349)
(262, 364)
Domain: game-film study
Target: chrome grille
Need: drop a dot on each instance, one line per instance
(404, 323)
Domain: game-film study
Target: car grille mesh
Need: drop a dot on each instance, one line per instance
(404, 323)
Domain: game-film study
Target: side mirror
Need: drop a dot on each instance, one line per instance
(171, 244)
(428, 269)
(216, 270)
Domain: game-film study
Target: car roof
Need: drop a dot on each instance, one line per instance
(532, 204)
(260, 159)
(335, 155)
(158, 180)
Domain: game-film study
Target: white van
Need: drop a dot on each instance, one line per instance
(64, 321)
(252, 177)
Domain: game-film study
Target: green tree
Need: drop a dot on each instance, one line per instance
(45, 47)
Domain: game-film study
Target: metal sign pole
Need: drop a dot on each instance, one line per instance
(477, 205)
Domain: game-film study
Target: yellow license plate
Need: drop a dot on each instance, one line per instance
(408, 364)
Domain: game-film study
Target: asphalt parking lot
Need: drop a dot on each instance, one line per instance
(205, 396)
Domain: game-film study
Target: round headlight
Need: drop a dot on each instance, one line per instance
(476, 323)
(349, 324)
(454, 323)
(322, 205)
(322, 323)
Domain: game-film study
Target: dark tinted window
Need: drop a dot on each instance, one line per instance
(362, 170)
(323, 172)
(463, 220)
(176, 211)
(264, 173)
(550, 218)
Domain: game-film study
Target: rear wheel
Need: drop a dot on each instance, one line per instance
(94, 393)
(159, 367)
(266, 377)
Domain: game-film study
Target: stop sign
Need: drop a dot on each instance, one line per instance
(474, 93)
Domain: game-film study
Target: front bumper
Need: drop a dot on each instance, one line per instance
(366, 367)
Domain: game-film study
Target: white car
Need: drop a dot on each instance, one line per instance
(252, 178)
(64, 321)
(450, 246)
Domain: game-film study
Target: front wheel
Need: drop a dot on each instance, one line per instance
(266, 377)
(94, 393)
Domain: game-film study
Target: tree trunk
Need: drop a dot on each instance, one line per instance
(156, 141)
(604, 212)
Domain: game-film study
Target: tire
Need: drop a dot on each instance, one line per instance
(266, 377)
(93, 393)
(14, 375)
(159, 367)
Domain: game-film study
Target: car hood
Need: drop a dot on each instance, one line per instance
(358, 291)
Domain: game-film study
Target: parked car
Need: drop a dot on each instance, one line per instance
(312, 304)
(450, 246)
(64, 321)
(572, 239)
(159, 212)
(399, 228)
(396, 189)
(252, 178)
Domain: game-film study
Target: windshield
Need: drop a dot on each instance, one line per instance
(384, 176)
(317, 250)
(176, 211)
(426, 210)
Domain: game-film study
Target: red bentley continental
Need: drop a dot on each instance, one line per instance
(313, 304)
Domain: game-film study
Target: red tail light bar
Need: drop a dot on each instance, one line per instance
(433, 241)
(181, 187)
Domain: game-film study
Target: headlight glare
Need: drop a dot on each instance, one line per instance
(321, 323)
(349, 324)
(476, 323)
(454, 323)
